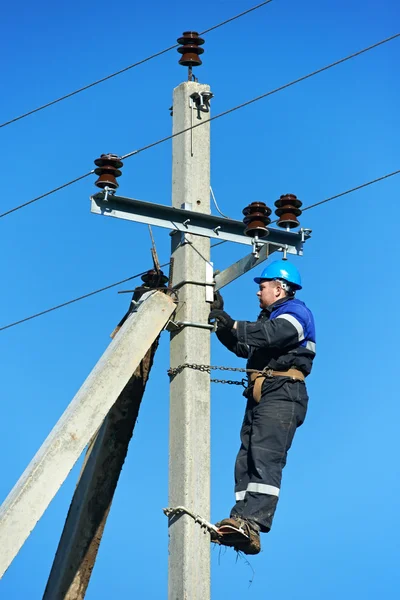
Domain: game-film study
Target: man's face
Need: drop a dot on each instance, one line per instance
(269, 292)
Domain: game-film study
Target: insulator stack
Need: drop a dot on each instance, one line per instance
(256, 219)
(154, 278)
(288, 209)
(190, 49)
(108, 169)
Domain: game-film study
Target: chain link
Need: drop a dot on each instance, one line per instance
(243, 382)
(207, 369)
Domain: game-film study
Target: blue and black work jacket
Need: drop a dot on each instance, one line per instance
(283, 337)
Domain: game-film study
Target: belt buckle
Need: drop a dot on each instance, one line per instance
(269, 373)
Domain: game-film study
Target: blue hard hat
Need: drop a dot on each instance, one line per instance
(281, 269)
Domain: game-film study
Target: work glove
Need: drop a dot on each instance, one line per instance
(218, 302)
(224, 321)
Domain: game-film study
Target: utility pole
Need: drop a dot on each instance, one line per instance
(91, 503)
(189, 462)
(192, 282)
(84, 527)
(48, 469)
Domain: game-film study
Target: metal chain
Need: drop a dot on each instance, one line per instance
(243, 382)
(207, 368)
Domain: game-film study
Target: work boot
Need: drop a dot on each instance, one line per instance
(239, 534)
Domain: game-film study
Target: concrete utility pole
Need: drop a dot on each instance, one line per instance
(91, 503)
(50, 466)
(189, 468)
(87, 516)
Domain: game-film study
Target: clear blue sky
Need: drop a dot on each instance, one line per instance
(336, 530)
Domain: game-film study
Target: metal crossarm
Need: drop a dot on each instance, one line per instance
(188, 221)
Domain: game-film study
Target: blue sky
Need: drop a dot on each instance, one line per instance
(334, 534)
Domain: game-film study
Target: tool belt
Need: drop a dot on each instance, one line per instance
(258, 379)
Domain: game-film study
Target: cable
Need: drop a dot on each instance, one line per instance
(358, 187)
(354, 189)
(132, 66)
(216, 205)
(226, 112)
(270, 93)
(57, 189)
(103, 289)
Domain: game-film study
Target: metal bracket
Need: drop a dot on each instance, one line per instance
(181, 510)
(201, 102)
(210, 282)
(108, 192)
(305, 234)
(211, 226)
(257, 245)
(176, 325)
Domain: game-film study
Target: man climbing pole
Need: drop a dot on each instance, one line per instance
(280, 347)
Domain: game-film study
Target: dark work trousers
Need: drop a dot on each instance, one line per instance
(266, 435)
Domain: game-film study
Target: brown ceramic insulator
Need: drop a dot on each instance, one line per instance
(154, 279)
(108, 169)
(288, 209)
(256, 219)
(190, 49)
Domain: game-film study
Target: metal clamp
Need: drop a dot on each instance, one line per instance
(257, 245)
(108, 192)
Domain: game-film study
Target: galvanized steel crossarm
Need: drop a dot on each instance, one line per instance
(189, 221)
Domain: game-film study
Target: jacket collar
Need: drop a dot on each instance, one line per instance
(267, 311)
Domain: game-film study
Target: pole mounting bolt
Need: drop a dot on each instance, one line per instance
(288, 209)
(190, 50)
(256, 219)
(108, 169)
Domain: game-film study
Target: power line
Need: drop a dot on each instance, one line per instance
(129, 67)
(107, 287)
(103, 289)
(257, 98)
(57, 189)
(218, 116)
(358, 187)
(354, 189)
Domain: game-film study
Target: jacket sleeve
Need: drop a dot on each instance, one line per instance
(229, 339)
(284, 331)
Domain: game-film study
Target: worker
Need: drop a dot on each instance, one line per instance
(280, 346)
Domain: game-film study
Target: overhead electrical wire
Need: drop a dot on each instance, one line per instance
(107, 287)
(129, 67)
(103, 289)
(262, 96)
(57, 189)
(213, 118)
(354, 189)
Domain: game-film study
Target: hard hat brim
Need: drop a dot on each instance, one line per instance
(295, 286)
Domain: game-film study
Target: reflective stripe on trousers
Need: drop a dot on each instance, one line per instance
(266, 435)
